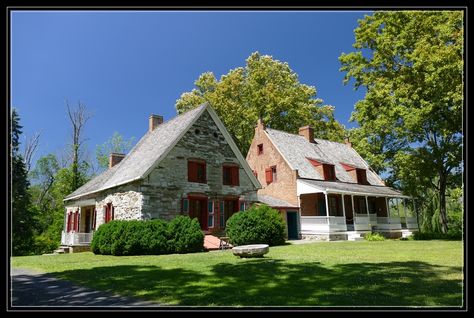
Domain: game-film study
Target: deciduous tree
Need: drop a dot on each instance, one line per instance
(265, 88)
(411, 65)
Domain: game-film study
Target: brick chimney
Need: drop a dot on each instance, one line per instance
(115, 158)
(154, 121)
(260, 124)
(347, 142)
(308, 133)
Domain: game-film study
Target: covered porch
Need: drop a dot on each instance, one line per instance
(329, 207)
(79, 225)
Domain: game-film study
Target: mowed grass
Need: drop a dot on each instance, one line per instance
(387, 273)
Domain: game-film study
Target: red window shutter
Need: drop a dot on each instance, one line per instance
(268, 175)
(76, 221)
(235, 176)
(69, 222)
(192, 171)
(106, 213)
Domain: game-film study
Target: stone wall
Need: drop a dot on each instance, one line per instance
(167, 184)
(127, 206)
(284, 187)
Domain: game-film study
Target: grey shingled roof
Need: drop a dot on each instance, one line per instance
(334, 186)
(295, 149)
(143, 156)
(271, 201)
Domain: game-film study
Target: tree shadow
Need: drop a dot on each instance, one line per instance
(273, 282)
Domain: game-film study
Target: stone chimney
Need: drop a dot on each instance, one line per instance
(115, 158)
(260, 124)
(308, 133)
(154, 121)
(347, 142)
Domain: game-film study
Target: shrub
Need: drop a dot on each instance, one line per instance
(258, 225)
(185, 235)
(423, 236)
(374, 237)
(155, 237)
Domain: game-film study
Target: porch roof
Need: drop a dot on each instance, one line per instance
(274, 202)
(351, 188)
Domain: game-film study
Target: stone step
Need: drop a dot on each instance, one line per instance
(62, 250)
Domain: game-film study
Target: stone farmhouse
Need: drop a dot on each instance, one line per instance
(324, 189)
(189, 165)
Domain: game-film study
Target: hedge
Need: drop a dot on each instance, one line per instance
(154, 237)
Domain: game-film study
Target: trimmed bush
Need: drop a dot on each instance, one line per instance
(258, 225)
(424, 236)
(374, 237)
(185, 235)
(155, 237)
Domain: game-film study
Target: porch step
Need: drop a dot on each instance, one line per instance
(354, 236)
(406, 233)
(62, 250)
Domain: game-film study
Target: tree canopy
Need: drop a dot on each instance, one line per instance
(410, 121)
(265, 88)
(116, 144)
(21, 217)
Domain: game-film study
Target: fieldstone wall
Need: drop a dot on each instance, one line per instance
(168, 183)
(127, 206)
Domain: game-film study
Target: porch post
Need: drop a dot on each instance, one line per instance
(388, 208)
(367, 206)
(327, 206)
(398, 205)
(343, 207)
(353, 211)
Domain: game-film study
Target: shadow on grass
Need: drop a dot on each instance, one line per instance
(270, 282)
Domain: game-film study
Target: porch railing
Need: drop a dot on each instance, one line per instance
(388, 223)
(323, 223)
(411, 222)
(75, 238)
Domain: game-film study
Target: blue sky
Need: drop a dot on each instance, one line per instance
(126, 65)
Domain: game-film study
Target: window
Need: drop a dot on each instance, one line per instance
(329, 173)
(210, 214)
(230, 175)
(271, 174)
(109, 212)
(228, 208)
(185, 205)
(260, 149)
(197, 171)
(361, 176)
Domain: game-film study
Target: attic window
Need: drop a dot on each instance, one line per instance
(197, 131)
(216, 135)
(361, 176)
(260, 149)
(329, 173)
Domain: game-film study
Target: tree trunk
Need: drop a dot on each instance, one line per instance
(442, 203)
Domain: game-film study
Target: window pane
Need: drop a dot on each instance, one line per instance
(210, 221)
(210, 207)
(185, 205)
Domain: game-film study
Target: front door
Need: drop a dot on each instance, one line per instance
(88, 221)
(292, 222)
(198, 209)
(348, 207)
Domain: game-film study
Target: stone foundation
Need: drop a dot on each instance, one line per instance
(79, 248)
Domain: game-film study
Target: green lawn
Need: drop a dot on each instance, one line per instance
(387, 273)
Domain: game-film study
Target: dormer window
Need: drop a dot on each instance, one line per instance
(361, 176)
(329, 173)
(324, 169)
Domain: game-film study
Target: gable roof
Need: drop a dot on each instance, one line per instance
(151, 149)
(296, 150)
